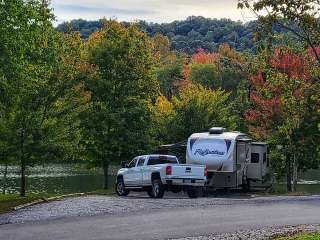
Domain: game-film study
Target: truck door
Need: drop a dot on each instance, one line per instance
(139, 171)
(129, 177)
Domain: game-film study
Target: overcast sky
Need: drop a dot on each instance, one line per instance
(149, 10)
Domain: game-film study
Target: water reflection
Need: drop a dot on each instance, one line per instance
(57, 178)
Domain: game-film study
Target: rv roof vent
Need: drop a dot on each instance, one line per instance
(217, 130)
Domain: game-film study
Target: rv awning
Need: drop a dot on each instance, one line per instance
(182, 144)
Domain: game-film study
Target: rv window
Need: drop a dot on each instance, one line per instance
(255, 157)
(154, 160)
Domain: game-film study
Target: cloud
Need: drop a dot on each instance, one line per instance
(149, 10)
(206, 3)
(102, 10)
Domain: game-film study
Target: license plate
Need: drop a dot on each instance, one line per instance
(186, 180)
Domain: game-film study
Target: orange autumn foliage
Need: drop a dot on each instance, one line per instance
(294, 65)
(202, 57)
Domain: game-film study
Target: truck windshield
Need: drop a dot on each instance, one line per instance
(153, 160)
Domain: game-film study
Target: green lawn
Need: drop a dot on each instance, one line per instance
(306, 236)
(8, 201)
(109, 191)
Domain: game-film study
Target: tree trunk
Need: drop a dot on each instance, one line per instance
(289, 172)
(4, 186)
(23, 178)
(295, 173)
(23, 166)
(105, 173)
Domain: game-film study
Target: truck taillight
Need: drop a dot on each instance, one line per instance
(168, 170)
(205, 171)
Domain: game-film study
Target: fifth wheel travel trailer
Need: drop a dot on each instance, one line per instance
(233, 159)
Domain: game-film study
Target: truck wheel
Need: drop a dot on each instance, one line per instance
(157, 188)
(120, 188)
(192, 192)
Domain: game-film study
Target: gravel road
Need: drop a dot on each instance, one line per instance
(174, 217)
(97, 205)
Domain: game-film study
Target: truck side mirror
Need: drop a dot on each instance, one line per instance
(123, 164)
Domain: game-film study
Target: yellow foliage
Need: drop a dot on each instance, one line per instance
(164, 107)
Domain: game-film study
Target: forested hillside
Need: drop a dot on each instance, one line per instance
(188, 35)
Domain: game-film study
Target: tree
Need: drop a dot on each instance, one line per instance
(205, 74)
(122, 90)
(195, 109)
(163, 116)
(198, 108)
(39, 79)
(225, 51)
(169, 66)
(186, 36)
(161, 47)
(300, 17)
(283, 111)
(203, 69)
(217, 70)
(169, 73)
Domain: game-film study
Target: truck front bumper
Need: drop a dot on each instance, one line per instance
(185, 182)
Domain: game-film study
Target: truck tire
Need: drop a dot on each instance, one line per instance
(157, 188)
(192, 192)
(120, 188)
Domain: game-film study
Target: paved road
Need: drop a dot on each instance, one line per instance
(181, 218)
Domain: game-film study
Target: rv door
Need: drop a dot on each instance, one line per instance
(258, 165)
(243, 152)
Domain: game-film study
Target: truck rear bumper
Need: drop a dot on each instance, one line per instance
(185, 182)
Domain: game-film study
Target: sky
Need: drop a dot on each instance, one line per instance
(158, 11)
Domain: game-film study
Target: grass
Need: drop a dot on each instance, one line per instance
(302, 189)
(9, 201)
(109, 191)
(305, 236)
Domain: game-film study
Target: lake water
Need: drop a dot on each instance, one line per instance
(57, 178)
(71, 178)
(309, 182)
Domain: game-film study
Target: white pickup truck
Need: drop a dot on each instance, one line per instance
(156, 174)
